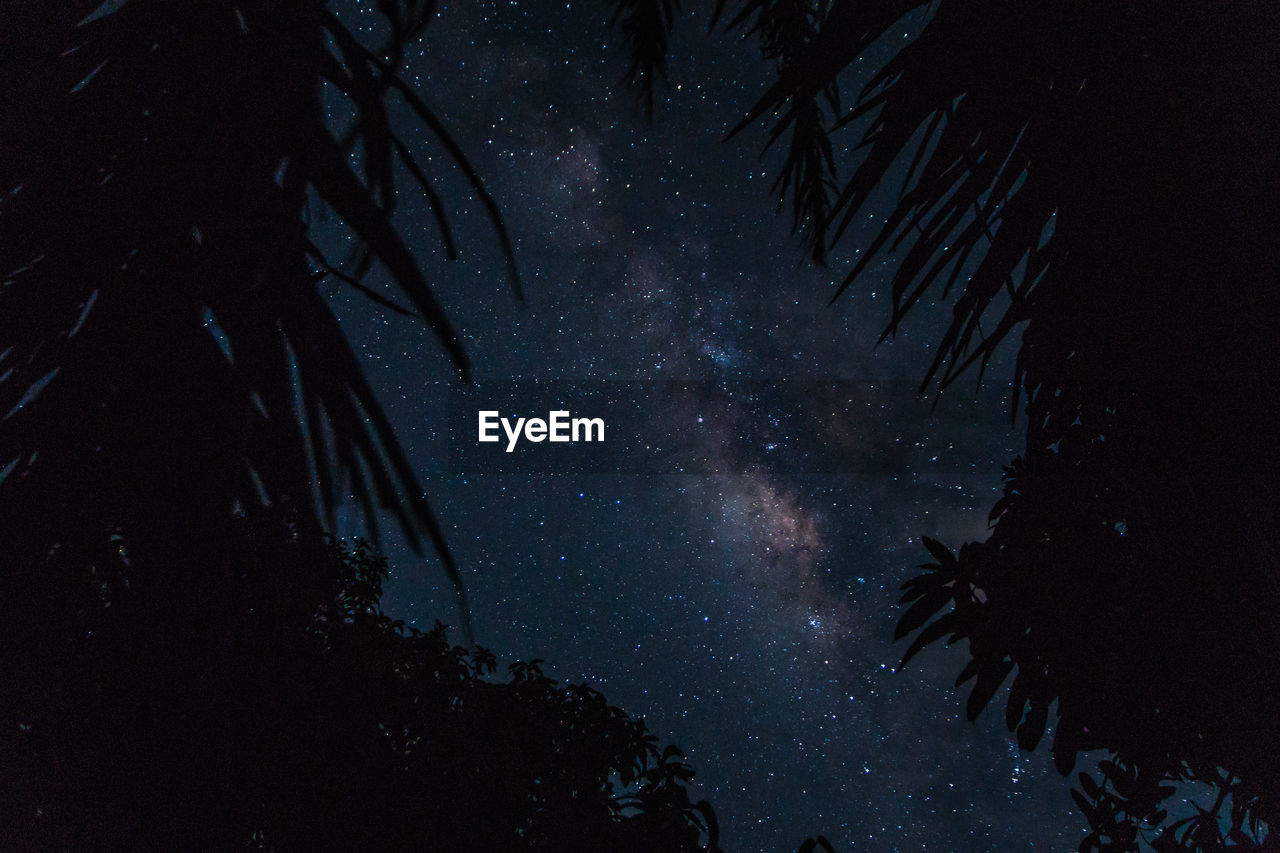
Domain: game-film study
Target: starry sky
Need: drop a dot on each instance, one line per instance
(728, 566)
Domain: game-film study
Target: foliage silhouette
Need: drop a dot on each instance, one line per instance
(167, 353)
(324, 726)
(168, 361)
(1102, 177)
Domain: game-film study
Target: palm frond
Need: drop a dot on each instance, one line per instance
(645, 27)
(156, 265)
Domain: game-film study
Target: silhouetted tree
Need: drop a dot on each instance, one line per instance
(1103, 177)
(168, 361)
(168, 354)
(325, 725)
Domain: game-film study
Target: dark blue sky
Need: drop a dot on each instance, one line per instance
(744, 608)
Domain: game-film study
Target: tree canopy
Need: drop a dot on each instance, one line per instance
(168, 354)
(298, 716)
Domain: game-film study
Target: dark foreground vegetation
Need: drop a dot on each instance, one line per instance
(289, 713)
(185, 665)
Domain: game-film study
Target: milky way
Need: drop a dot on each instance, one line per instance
(744, 607)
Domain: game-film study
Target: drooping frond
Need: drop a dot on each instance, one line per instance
(645, 27)
(168, 353)
(786, 30)
(950, 119)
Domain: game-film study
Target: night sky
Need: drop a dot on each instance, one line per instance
(733, 581)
